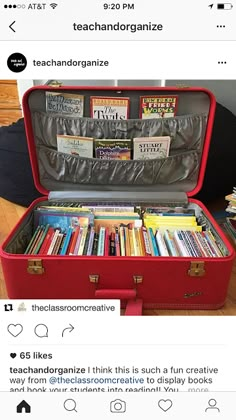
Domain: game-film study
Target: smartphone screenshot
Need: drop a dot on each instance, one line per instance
(117, 209)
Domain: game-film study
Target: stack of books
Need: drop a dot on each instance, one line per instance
(229, 224)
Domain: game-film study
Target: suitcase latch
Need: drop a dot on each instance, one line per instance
(94, 278)
(197, 269)
(138, 279)
(35, 267)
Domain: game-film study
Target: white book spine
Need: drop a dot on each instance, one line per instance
(180, 244)
(50, 249)
(161, 245)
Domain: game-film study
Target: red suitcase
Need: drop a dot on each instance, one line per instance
(149, 282)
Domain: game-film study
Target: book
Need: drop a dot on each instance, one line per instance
(64, 220)
(101, 241)
(109, 108)
(180, 244)
(90, 244)
(67, 104)
(162, 106)
(113, 149)
(82, 241)
(75, 145)
(151, 147)
(170, 243)
(67, 240)
(161, 245)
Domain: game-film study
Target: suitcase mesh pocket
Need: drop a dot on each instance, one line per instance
(187, 136)
(67, 168)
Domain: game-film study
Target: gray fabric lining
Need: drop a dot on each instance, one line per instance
(63, 167)
(18, 244)
(186, 132)
(187, 138)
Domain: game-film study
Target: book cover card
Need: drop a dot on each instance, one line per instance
(75, 145)
(158, 106)
(109, 108)
(113, 149)
(151, 147)
(67, 104)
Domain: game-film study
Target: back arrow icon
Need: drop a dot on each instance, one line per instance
(10, 26)
(71, 328)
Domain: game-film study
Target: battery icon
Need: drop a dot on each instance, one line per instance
(224, 6)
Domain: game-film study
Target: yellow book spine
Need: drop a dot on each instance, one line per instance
(141, 244)
(127, 242)
(122, 242)
(137, 242)
(131, 241)
(172, 228)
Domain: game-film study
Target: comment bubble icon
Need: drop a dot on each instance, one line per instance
(41, 330)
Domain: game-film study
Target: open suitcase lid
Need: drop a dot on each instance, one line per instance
(181, 174)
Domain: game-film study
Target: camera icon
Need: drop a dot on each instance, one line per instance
(118, 406)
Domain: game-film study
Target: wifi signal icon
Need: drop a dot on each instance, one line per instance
(53, 5)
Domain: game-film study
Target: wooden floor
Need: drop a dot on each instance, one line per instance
(10, 214)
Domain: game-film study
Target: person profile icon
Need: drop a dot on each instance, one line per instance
(212, 405)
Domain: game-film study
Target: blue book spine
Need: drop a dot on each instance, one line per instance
(154, 244)
(66, 241)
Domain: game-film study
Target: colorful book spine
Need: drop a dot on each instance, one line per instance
(101, 242)
(188, 244)
(32, 241)
(147, 246)
(107, 243)
(127, 242)
(53, 242)
(210, 244)
(181, 244)
(200, 246)
(117, 242)
(112, 250)
(85, 250)
(74, 238)
(95, 243)
(76, 249)
(82, 242)
(170, 244)
(153, 242)
(122, 241)
(91, 238)
(194, 244)
(161, 244)
(47, 241)
(37, 240)
(137, 242)
(67, 241)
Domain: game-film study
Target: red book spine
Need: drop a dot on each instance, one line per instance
(49, 240)
(107, 242)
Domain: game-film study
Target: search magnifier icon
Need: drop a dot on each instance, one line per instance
(70, 405)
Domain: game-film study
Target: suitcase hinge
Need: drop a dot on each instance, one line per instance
(197, 269)
(182, 86)
(35, 267)
(93, 278)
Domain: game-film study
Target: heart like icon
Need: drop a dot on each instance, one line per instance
(13, 355)
(15, 329)
(165, 405)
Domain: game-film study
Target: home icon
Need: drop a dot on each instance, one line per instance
(23, 407)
